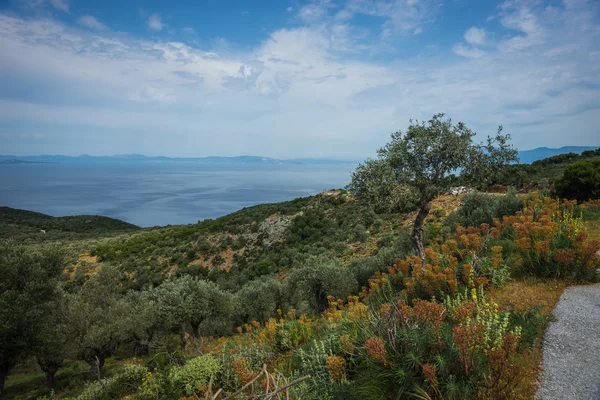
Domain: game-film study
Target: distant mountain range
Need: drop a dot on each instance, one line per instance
(16, 161)
(526, 157)
(529, 156)
(85, 158)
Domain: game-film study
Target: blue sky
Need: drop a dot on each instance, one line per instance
(291, 78)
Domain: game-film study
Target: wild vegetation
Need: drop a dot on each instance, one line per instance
(317, 298)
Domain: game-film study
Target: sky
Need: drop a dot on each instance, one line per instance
(290, 79)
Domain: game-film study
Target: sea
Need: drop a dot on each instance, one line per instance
(161, 193)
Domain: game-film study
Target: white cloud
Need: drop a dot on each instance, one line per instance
(475, 36)
(303, 91)
(91, 22)
(153, 94)
(400, 16)
(155, 23)
(418, 31)
(314, 12)
(469, 52)
(61, 5)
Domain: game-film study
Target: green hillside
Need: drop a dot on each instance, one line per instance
(22, 225)
(321, 293)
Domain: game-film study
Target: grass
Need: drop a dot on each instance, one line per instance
(27, 381)
(520, 296)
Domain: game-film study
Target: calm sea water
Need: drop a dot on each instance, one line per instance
(149, 194)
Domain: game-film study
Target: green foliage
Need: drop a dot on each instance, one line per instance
(116, 387)
(524, 176)
(260, 298)
(194, 376)
(27, 290)
(532, 322)
(365, 267)
(312, 360)
(195, 304)
(425, 158)
(54, 344)
(480, 208)
(374, 182)
(309, 284)
(98, 318)
(580, 181)
(27, 225)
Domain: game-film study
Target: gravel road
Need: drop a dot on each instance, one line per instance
(571, 347)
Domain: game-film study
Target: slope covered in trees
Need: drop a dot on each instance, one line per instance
(23, 225)
(320, 297)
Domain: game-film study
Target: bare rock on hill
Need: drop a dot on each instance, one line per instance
(275, 226)
(455, 191)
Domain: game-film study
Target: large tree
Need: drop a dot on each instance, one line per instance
(426, 157)
(97, 319)
(55, 340)
(28, 285)
(309, 284)
(189, 302)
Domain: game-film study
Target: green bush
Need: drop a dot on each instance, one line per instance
(195, 375)
(309, 284)
(364, 268)
(116, 387)
(580, 181)
(259, 298)
(480, 208)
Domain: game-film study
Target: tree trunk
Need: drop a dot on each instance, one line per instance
(418, 227)
(50, 377)
(195, 329)
(2, 379)
(96, 363)
(3, 373)
(50, 369)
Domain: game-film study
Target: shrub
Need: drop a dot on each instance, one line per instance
(259, 298)
(550, 240)
(309, 284)
(580, 181)
(194, 376)
(437, 350)
(480, 208)
(118, 386)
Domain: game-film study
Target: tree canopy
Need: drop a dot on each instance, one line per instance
(580, 181)
(426, 158)
(27, 289)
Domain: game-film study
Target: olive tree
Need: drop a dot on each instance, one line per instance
(54, 344)
(28, 285)
(426, 157)
(259, 298)
(309, 284)
(97, 319)
(144, 320)
(201, 305)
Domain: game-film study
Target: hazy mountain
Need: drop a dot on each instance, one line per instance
(142, 158)
(529, 156)
(526, 157)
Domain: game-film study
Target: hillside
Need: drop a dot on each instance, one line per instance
(530, 156)
(305, 292)
(28, 225)
(546, 170)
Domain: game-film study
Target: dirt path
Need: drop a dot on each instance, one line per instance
(571, 347)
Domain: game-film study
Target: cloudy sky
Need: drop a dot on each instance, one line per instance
(289, 79)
